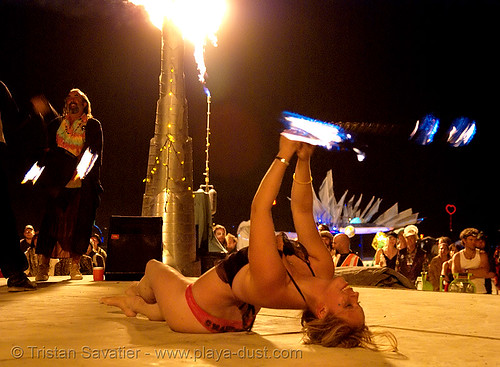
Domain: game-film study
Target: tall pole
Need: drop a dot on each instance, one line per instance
(207, 146)
(169, 182)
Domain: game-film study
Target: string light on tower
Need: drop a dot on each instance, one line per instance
(168, 191)
(198, 22)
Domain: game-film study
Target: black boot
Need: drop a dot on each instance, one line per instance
(19, 282)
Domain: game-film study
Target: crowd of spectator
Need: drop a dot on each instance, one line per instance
(434, 262)
(440, 261)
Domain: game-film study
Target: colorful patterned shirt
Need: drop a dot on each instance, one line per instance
(71, 136)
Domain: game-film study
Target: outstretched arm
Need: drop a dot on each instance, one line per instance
(303, 218)
(266, 271)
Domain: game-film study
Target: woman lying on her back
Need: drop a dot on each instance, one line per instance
(272, 272)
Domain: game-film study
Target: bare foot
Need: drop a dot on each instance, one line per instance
(121, 302)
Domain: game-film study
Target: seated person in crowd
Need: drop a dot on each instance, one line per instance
(323, 227)
(472, 260)
(95, 251)
(436, 265)
(343, 254)
(27, 242)
(28, 246)
(446, 267)
(481, 245)
(388, 255)
(411, 257)
(231, 243)
(327, 239)
(220, 233)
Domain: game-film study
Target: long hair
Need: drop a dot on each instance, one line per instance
(87, 110)
(332, 331)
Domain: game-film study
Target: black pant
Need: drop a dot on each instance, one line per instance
(12, 259)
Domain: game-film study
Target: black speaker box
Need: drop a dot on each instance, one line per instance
(132, 242)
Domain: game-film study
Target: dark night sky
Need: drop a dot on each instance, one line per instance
(369, 61)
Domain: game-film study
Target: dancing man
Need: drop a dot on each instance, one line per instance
(67, 225)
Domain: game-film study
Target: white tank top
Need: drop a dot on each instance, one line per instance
(473, 264)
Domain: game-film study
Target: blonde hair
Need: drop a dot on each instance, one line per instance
(332, 331)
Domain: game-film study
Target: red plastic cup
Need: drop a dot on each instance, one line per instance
(98, 272)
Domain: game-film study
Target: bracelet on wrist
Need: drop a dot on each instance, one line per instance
(282, 160)
(302, 183)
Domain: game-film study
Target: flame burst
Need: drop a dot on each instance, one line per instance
(198, 21)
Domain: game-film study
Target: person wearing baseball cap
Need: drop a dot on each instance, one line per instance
(27, 240)
(411, 257)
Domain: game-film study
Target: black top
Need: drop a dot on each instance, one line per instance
(390, 263)
(231, 265)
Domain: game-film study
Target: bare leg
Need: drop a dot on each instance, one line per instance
(143, 288)
(160, 295)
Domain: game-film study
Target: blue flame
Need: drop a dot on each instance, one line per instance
(206, 90)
